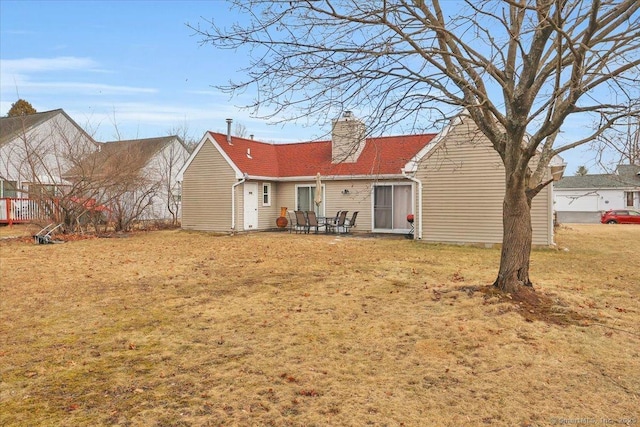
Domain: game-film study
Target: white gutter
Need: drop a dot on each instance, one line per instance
(325, 177)
(233, 202)
(416, 180)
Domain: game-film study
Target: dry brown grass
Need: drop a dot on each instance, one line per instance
(174, 328)
(18, 230)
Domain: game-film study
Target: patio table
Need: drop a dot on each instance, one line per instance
(326, 221)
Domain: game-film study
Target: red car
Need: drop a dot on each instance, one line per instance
(620, 216)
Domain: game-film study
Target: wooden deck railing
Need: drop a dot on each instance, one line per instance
(19, 210)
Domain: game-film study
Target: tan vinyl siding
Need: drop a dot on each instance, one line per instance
(206, 192)
(542, 217)
(463, 192)
(358, 199)
(285, 196)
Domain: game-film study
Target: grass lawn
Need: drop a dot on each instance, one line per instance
(175, 328)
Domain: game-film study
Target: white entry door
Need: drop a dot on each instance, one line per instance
(250, 206)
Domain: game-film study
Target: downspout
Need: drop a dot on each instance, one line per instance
(416, 180)
(233, 202)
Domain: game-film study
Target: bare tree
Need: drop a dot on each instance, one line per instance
(623, 141)
(240, 130)
(171, 159)
(130, 187)
(186, 136)
(520, 68)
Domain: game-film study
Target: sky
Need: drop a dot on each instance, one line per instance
(123, 69)
(134, 69)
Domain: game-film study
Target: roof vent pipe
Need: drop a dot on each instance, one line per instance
(229, 121)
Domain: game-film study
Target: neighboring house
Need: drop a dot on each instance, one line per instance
(582, 199)
(35, 150)
(48, 154)
(137, 175)
(453, 183)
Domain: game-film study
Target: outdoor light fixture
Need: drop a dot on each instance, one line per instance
(345, 191)
(557, 171)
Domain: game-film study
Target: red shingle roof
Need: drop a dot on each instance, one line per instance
(381, 156)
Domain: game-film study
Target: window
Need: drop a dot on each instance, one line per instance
(266, 194)
(37, 191)
(8, 189)
(305, 199)
(391, 205)
(628, 196)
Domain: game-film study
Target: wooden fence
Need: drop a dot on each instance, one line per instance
(19, 210)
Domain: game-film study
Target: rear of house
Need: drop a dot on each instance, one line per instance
(208, 185)
(452, 183)
(463, 191)
(237, 184)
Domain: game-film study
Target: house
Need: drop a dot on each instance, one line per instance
(137, 175)
(46, 157)
(582, 199)
(452, 182)
(36, 149)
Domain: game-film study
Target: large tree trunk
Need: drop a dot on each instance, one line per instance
(516, 239)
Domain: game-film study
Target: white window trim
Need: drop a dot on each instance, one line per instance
(324, 204)
(268, 193)
(372, 197)
(626, 199)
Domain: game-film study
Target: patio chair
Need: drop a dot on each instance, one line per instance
(292, 222)
(302, 226)
(313, 221)
(350, 223)
(339, 222)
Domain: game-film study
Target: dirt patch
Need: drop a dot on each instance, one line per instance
(533, 305)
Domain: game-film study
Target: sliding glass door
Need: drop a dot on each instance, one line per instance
(391, 205)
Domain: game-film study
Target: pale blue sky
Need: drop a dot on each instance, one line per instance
(135, 65)
(132, 63)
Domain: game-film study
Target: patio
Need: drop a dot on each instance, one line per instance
(304, 221)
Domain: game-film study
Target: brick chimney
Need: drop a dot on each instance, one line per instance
(347, 138)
